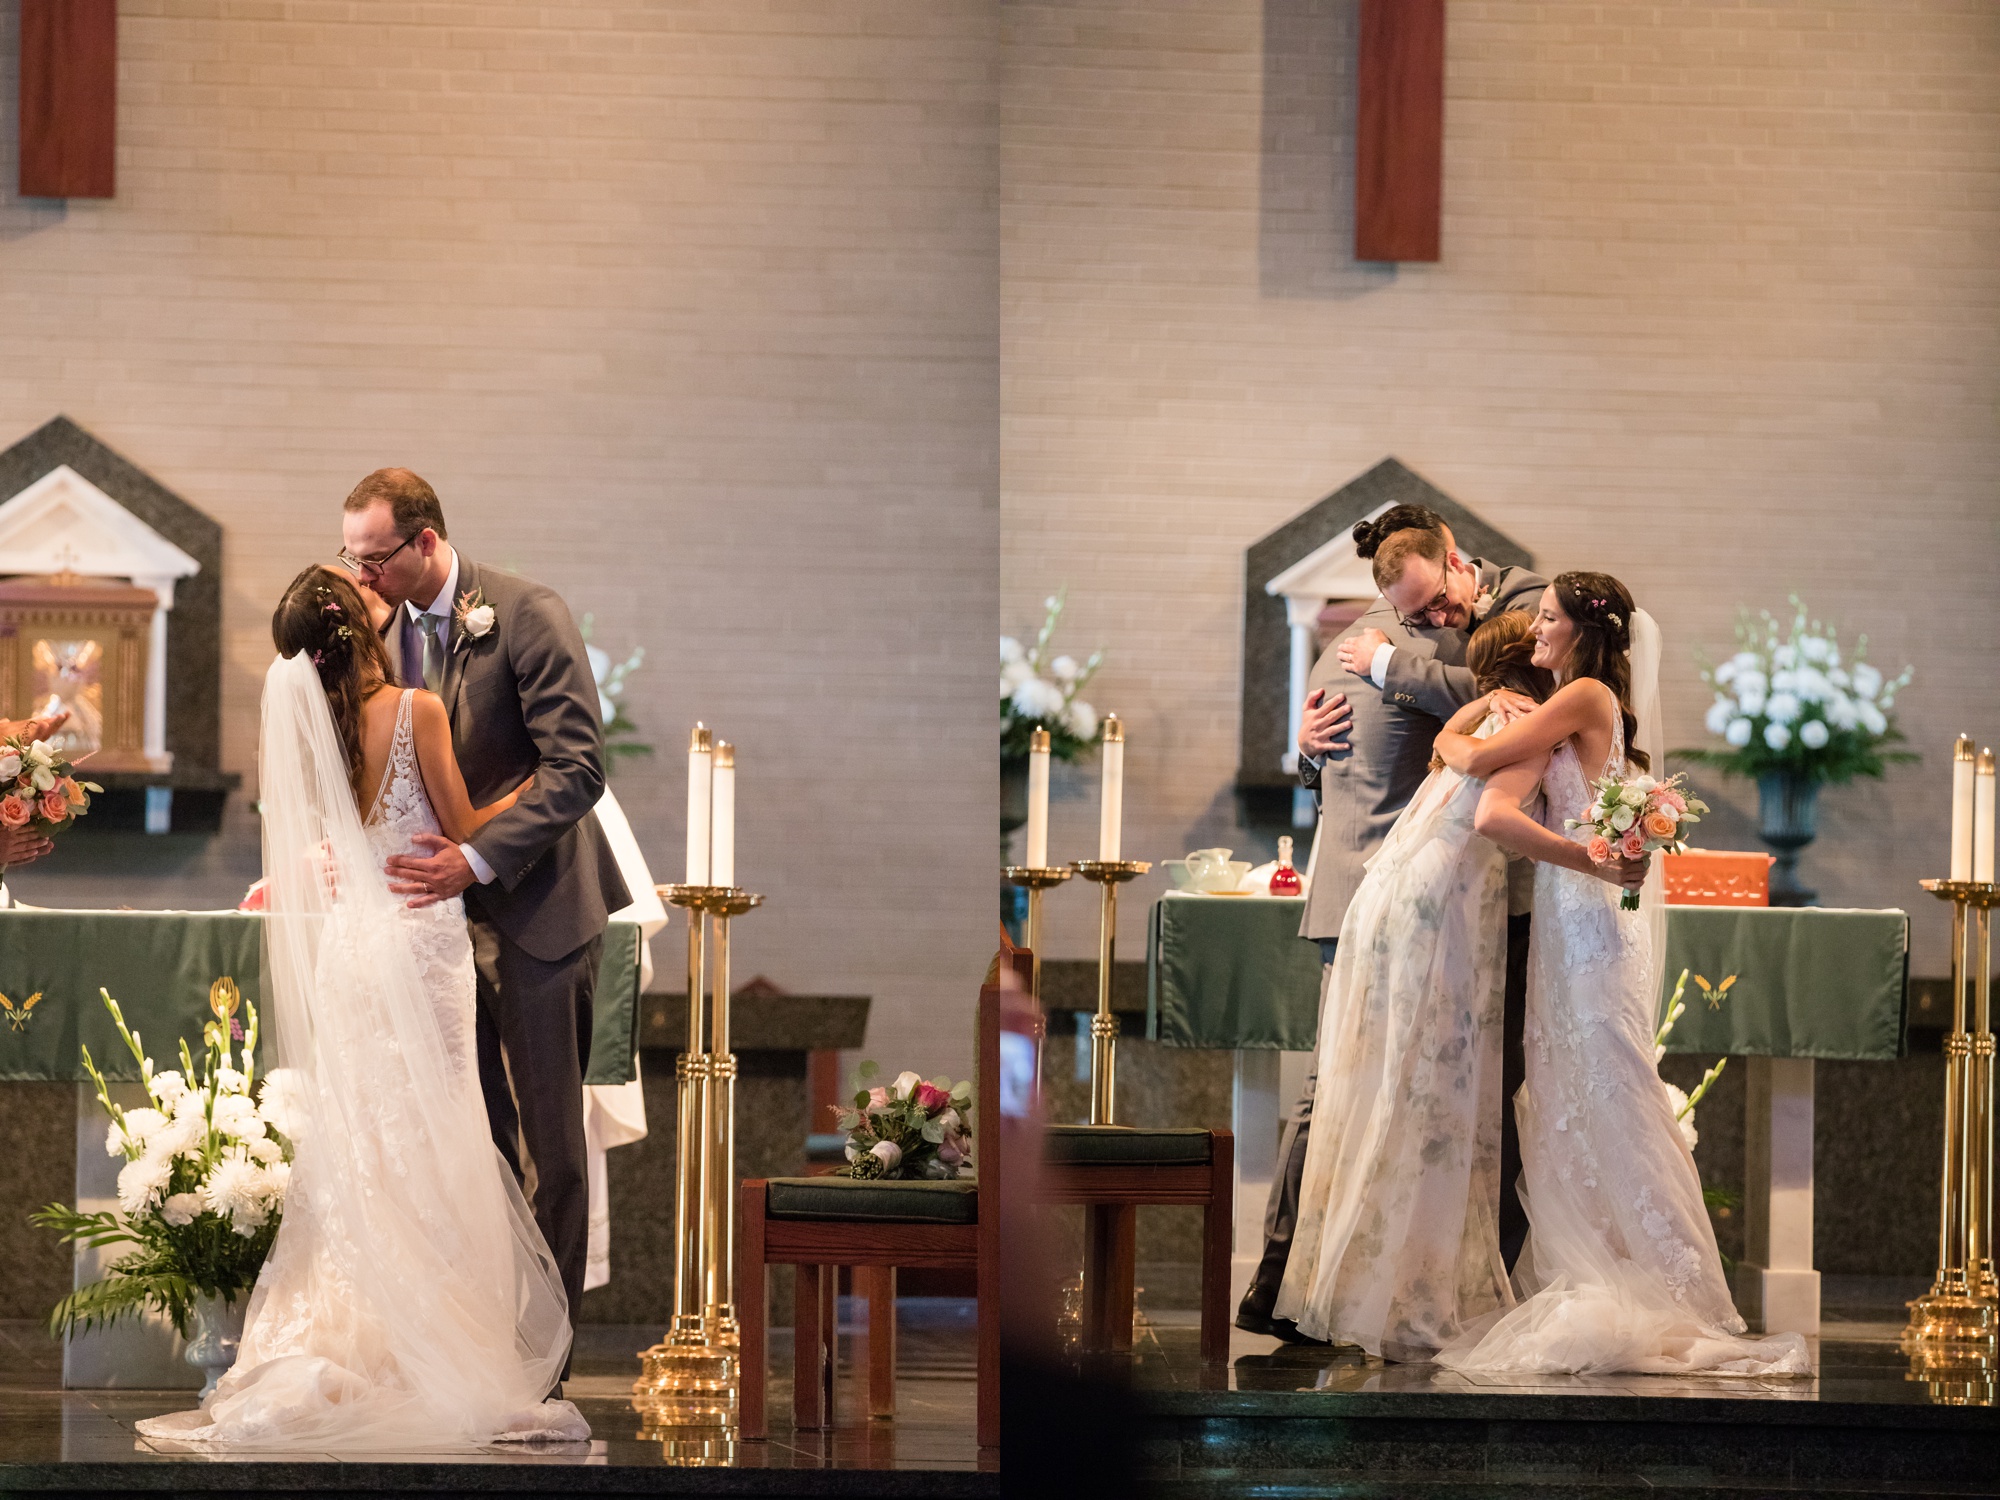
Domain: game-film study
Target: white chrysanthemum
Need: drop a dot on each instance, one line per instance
(1751, 701)
(264, 1150)
(1784, 658)
(1010, 650)
(1720, 712)
(1873, 719)
(1081, 719)
(167, 1088)
(236, 1191)
(192, 1105)
(229, 1081)
(1838, 677)
(1013, 675)
(141, 1182)
(1841, 712)
(1811, 685)
(1738, 732)
(1781, 708)
(1684, 1121)
(1816, 649)
(1777, 736)
(242, 1127)
(1063, 669)
(182, 1208)
(282, 1103)
(1036, 699)
(1867, 680)
(1726, 673)
(114, 1140)
(1784, 681)
(1813, 734)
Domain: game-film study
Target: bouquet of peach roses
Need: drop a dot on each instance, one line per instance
(1635, 816)
(39, 790)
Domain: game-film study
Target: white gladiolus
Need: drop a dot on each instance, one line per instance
(141, 1182)
(114, 1140)
(1720, 713)
(1872, 719)
(1781, 708)
(182, 1209)
(1010, 650)
(1867, 680)
(168, 1087)
(1777, 736)
(1684, 1120)
(1737, 735)
(1813, 734)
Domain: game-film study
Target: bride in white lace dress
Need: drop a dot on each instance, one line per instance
(1620, 1271)
(409, 1302)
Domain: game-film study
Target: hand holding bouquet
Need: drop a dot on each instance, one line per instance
(1632, 817)
(909, 1129)
(39, 792)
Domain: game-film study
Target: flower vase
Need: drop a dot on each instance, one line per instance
(218, 1329)
(1013, 815)
(1788, 820)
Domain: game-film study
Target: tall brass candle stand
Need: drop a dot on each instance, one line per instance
(1952, 1327)
(1109, 874)
(688, 1385)
(1036, 878)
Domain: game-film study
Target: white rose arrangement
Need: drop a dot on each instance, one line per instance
(207, 1162)
(1793, 703)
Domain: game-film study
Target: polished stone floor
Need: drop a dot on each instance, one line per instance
(84, 1440)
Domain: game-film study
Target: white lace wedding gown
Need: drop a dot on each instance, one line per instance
(408, 1303)
(1620, 1271)
(1397, 1244)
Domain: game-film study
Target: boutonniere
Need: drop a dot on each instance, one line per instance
(475, 617)
(1483, 605)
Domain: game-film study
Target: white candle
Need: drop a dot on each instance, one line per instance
(1038, 799)
(701, 755)
(1961, 809)
(722, 841)
(1111, 811)
(1982, 818)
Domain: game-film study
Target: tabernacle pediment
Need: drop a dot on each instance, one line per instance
(62, 523)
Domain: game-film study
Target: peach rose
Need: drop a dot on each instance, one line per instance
(55, 806)
(1599, 850)
(14, 812)
(1659, 825)
(1633, 845)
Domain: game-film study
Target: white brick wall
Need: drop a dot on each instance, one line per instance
(687, 309)
(1719, 311)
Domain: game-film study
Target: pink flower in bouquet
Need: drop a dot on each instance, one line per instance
(14, 811)
(878, 1098)
(1633, 845)
(55, 806)
(1671, 797)
(930, 1098)
(1660, 825)
(1599, 850)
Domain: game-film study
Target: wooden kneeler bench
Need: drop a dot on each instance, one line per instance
(1111, 1170)
(819, 1224)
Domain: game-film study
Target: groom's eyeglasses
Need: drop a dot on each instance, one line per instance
(1423, 616)
(355, 564)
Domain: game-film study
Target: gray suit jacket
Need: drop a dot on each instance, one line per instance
(522, 702)
(1364, 789)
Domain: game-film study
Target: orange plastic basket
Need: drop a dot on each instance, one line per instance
(1717, 877)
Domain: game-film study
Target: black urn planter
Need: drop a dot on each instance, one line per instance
(1788, 820)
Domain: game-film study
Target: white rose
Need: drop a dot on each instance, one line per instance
(181, 1208)
(905, 1083)
(1621, 817)
(1738, 732)
(479, 621)
(1777, 736)
(1781, 708)
(43, 778)
(38, 754)
(1812, 734)
(10, 765)
(1720, 712)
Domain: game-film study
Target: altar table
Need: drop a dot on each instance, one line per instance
(1810, 982)
(158, 966)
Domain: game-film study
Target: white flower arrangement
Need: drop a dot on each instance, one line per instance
(202, 1190)
(619, 728)
(1684, 1103)
(1040, 691)
(1791, 703)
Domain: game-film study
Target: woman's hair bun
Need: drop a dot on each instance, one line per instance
(1370, 535)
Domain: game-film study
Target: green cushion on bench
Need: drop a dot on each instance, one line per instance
(1124, 1145)
(894, 1201)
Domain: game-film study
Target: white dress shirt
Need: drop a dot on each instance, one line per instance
(436, 618)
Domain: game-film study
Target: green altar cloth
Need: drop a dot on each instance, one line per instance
(158, 966)
(1231, 972)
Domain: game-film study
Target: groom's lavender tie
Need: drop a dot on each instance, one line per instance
(412, 651)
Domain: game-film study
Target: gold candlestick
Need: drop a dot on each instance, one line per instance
(1108, 874)
(1036, 879)
(1955, 1321)
(689, 1380)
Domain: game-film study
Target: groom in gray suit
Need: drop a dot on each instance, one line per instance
(1408, 654)
(539, 880)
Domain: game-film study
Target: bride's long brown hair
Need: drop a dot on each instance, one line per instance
(1601, 608)
(323, 614)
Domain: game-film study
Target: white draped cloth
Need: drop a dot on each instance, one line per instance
(409, 1302)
